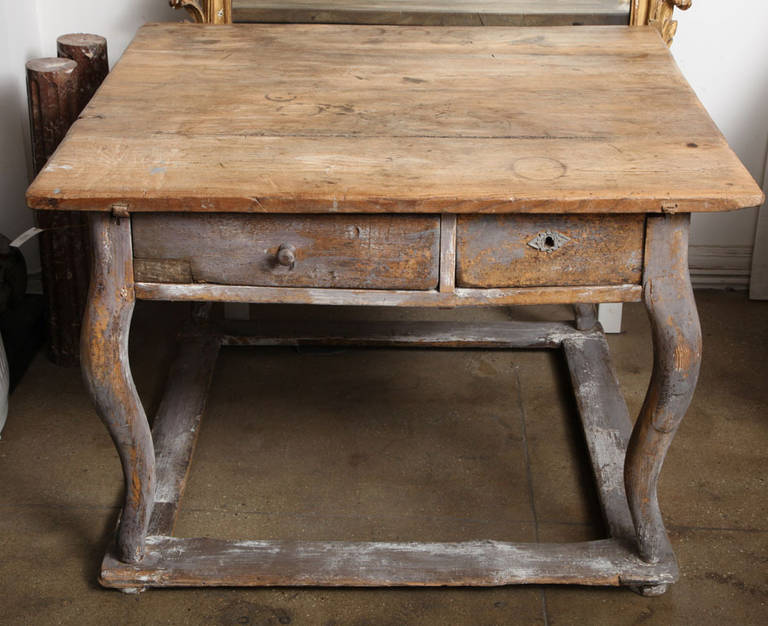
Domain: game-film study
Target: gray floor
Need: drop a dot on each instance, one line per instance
(394, 445)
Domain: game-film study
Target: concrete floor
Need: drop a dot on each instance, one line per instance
(394, 445)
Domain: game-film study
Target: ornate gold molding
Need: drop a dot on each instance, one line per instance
(206, 11)
(658, 13)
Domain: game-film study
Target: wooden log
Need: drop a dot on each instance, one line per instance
(52, 98)
(175, 562)
(607, 427)
(70, 249)
(373, 297)
(435, 334)
(107, 375)
(177, 425)
(58, 91)
(677, 357)
(90, 54)
(52, 93)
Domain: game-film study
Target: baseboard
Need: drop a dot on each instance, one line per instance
(720, 267)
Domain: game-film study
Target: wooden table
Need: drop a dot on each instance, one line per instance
(430, 167)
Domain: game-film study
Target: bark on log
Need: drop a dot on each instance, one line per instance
(58, 91)
(53, 107)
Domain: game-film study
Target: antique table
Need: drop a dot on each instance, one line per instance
(428, 167)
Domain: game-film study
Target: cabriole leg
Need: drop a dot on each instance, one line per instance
(677, 356)
(107, 374)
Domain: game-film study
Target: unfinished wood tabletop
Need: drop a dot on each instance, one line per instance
(434, 12)
(312, 118)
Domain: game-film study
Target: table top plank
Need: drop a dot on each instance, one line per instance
(434, 12)
(309, 118)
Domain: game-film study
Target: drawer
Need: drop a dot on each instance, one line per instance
(333, 251)
(549, 250)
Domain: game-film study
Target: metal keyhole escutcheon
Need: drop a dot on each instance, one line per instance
(548, 241)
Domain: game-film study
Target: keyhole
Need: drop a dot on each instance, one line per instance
(549, 241)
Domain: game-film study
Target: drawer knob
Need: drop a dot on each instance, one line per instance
(286, 255)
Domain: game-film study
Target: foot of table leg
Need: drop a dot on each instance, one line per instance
(107, 374)
(677, 357)
(650, 591)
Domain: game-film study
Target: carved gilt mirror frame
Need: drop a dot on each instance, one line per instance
(657, 13)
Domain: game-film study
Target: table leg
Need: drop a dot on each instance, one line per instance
(677, 356)
(107, 374)
(586, 316)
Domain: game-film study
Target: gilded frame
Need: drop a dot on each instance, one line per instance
(657, 13)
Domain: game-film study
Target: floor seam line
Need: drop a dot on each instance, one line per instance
(529, 480)
(526, 454)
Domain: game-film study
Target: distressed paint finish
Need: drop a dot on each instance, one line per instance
(586, 316)
(329, 251)
(432, 334)
(606, 424)
(178, 562)
(447, 253)
(373, 297)
(323, 143)
(677, 357)
(107, 375)
(496, 251)
(177, 424)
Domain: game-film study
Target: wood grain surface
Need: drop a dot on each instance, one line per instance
(605, 420)
(334, 251)
(434, 12)
(381, 297)
(498, 250)
(432, 334)
(177, 425)
(108, 379)
(677, 346)
(312, 118)
(177, 562)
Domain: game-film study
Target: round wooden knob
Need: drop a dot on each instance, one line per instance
(286, 255)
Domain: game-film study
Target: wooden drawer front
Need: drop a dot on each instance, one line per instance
(540, 250)
(334, 251)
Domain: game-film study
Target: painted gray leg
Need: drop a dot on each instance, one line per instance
(107, 374)
(677, 356)
(586, 316)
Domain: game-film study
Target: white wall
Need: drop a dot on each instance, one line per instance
(19, 41)
(28, 29)
(117, 20)
(722, 48)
